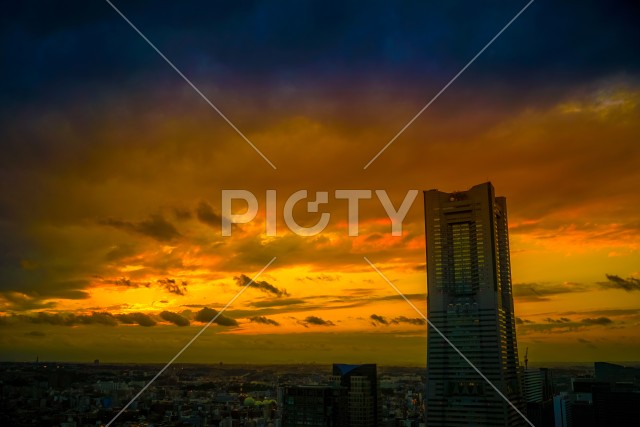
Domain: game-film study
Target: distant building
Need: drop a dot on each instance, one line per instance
(610, 399)
(562, 411)
(616, 407)
(315, 406)
(612, 373)
(470, 301)
(538, 396)
(364, 405)
(538, 385)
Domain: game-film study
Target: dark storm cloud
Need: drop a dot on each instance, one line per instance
(264, 320)
(315, 321)
(107, 319)
(29, 277)
(376, 320)
(174, 286)
(207, 215)
(409, 320)
(174, 318)
(113, 319)
(35, 295)
(181, 214)
(320, 278)
(155, 227)
(521, 321)
(88, 44)
(136, 318)
(597, 321)
(262, 285)
(325, 277)
(277, 303)
(381, 320)
(19, 302)
(206, 314)
(74, 289)
(351, 298)
(563, 324)
(560, 320)
(127, 282)
(541, 292)
(629, 284)
(607, 312)
(66, 319)
(121, 251)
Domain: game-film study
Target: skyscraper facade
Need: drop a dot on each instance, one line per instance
(470, 301)
(364, 406)
(538, 396)
(315, 406)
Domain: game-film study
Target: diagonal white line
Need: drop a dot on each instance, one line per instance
(191, 84)
(447, 85)
(195, 337)
(447, 340)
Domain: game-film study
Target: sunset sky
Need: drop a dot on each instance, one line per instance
(112, 169)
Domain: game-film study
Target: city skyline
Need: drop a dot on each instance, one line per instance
(113, 168)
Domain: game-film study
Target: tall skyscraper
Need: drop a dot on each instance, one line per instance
(470, 301)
